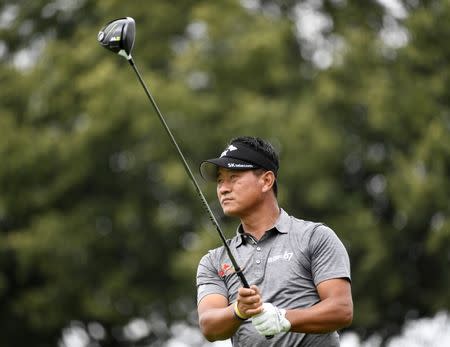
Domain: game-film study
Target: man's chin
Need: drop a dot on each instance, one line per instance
(229, 212)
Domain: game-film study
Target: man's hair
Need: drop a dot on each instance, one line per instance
(265, 148)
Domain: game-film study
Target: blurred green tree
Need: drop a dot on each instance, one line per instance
(98, 221)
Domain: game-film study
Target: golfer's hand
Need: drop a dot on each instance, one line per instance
(271, 321)
(249, 302)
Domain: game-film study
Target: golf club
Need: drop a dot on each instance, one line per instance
(118, 37)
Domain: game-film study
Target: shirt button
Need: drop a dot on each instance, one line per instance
(258, 261)
(258, 248)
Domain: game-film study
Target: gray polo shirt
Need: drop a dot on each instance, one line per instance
(287, 264)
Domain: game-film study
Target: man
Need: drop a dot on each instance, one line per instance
(299, 271)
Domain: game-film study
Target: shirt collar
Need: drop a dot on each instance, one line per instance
(282, 226)
(283, 223)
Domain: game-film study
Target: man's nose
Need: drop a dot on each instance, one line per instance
(223, 187)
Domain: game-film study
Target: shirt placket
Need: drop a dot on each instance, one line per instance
(259, 259)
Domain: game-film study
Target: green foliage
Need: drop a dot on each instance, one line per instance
(98, 221)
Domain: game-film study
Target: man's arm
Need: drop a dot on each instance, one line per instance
(217, 317)
(333, 312)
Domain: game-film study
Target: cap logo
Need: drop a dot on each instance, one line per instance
(229, 149)
(240, 166)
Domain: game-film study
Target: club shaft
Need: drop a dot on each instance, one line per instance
(213, 219)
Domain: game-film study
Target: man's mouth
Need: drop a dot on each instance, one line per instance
(225, 200)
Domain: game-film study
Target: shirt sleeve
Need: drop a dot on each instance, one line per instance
(208, 279)
(329, 258)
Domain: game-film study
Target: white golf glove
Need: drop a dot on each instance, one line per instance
(271, 320)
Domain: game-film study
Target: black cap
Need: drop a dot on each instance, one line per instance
(238, 156)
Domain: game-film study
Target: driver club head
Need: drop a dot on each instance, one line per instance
(118, 36)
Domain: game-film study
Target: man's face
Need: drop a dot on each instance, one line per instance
(239, 192)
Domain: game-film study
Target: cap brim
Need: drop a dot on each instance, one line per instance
(208, 168)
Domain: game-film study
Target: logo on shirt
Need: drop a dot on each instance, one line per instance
(286, 256)
(225, 269)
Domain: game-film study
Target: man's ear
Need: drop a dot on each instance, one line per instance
(268, 178)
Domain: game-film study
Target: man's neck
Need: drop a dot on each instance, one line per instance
(261, 220)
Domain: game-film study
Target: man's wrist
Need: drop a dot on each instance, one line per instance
(286, 323)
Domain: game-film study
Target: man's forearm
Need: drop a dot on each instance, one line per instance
(325, 316)
(219, 323)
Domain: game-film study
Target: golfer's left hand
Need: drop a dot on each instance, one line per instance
(271, 321)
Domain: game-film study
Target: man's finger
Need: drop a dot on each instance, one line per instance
(246, 292)
(253, 311)
(256, 289)
(251, 300)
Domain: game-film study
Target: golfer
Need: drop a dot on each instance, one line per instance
(299, 271)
